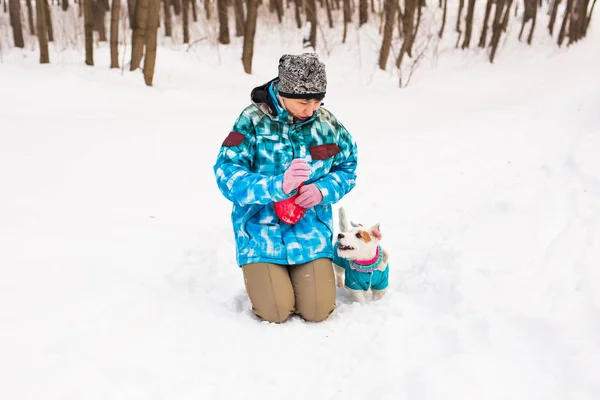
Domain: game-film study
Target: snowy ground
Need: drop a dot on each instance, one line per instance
(117, 267)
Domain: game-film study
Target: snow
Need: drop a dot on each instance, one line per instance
(117, 264)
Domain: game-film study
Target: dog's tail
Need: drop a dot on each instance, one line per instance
(343, 220)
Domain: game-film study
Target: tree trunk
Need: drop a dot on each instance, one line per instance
(249, 32)
(168, 19)
(114, 33)
(311, 18)
(578, 25)
(99, 12)
(65, 5)
(88, 27)
(151, 40)
(279, 9)
(528, 13)
(131, 9)
(486, 18)
(186, 21)
(138, 35)
(239, 17)
(223, 22)
(469, 24)
(497, 28)
(553, 13)
(194, 13)
(347, 18)
(329, 16)
(49, 21)
(207, 8)
(388, 30)
(298, 18)
(30, 16)
(563, 27)
(40, 8)
(363, 12)
(15, 22)
(407, 30)
(445, 13)
(176, 7)
(461, 6)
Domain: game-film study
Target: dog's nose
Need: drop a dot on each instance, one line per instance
(340, 235)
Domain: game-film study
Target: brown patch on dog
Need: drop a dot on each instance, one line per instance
(365, 236)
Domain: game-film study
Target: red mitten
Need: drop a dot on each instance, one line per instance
(288, 211)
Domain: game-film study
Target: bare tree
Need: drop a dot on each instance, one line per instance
(194, 13)
(469, 23)
(363, 12)
(151, 40)
(486, 18)
(445, 13)
(186, 21)
(297, 13)
(99, 12)
(311, 18)
(553, 13)
(131, 12)
(88, 27)
(461, 6)
(48, 15)
(65, 5)
(407, 30)
(138, 35)
(223, 22)
(40, 8)
(530, 13)
(207, 8)
(114, 33)
(563, 27)
(388, 30)
(329, 15)
(239, 17)
(249, 32)
(501, 16)
(15, 22)
(30, 16)
(347, 18)
(167, 17)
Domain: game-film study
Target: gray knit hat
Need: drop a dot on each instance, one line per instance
(302, 76)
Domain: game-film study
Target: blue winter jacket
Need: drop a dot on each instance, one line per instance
(249, 172)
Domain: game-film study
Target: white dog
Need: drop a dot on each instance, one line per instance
(360, 262)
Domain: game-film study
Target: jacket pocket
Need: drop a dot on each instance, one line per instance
(324, 151)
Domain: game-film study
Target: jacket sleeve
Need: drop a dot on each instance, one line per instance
(342, 177)
(233, 169)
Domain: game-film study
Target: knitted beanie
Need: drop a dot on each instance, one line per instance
(302, 77)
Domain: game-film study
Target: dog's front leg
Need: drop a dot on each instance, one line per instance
(358, 295)
(339, 275)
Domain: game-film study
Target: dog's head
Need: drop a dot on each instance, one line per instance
(359, 243)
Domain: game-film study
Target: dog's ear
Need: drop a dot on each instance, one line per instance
(375, 232)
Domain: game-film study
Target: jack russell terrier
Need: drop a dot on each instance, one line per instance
(361, 264)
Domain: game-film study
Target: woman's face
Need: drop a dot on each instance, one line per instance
(301, 109)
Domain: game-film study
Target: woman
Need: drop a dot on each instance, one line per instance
(285, 145)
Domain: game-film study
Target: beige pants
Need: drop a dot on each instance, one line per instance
(278, 291)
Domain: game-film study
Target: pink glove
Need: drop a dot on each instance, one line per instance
(309, 196)
(297, 173)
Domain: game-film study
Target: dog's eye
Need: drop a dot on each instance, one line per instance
(358, 235)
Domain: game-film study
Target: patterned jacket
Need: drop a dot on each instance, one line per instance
(249, 172)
